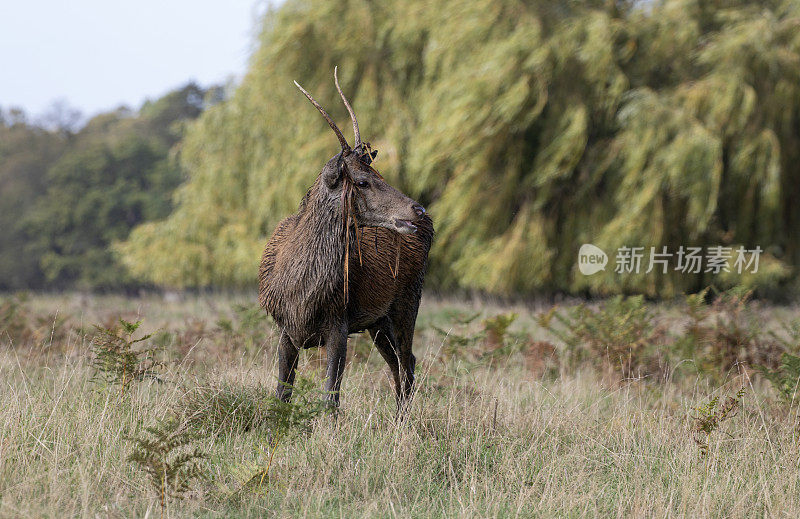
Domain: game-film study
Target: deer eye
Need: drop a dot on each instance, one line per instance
(362, 183)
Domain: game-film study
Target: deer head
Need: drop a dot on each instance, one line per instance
(365, 196)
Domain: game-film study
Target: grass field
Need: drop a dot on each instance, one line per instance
(589, 411)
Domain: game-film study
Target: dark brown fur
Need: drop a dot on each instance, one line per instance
(302, 274)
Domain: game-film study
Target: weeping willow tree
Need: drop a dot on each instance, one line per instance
(527, 128)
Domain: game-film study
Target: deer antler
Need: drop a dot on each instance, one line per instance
(342, 140)
(349, 108)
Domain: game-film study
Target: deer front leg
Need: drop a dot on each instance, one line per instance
(336, 347)
(287, 364)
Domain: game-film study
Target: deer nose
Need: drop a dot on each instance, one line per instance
(418, 210)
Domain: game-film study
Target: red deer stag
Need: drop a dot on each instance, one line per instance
(353, 258)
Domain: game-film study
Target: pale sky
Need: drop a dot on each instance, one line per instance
(98, 54)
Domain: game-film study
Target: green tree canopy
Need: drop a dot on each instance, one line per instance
(67, 195)
(528, 128)
(26, 152)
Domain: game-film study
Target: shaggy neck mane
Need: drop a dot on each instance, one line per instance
(323, 242)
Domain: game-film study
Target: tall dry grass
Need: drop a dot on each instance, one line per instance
(486, 436)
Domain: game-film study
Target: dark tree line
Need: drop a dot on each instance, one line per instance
(67, 193)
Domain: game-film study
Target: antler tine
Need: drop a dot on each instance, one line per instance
(327, 117)
(349, 108)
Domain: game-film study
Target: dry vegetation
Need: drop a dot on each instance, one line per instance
(612, 409)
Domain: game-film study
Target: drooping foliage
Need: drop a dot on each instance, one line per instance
(527, 128)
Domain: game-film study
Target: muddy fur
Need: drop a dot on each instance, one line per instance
(302, 274)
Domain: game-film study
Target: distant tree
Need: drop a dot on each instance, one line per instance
(67, 194)
(96, 195)
(26, 152)
(60, 117)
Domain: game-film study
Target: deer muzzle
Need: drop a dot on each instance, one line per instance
(407, 226)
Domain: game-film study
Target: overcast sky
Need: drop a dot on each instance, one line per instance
(98, 54)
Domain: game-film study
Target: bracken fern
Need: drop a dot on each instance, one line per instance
(284, 419)
(710, 416)
(785, 378)
(115, 360)
(166, 455)
(620, 331)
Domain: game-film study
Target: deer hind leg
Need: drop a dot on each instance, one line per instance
(383, 336)
(336, 348)
(407, 362)
(287, 365)
(404, 321)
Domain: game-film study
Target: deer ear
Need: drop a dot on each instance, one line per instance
(333, 176)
